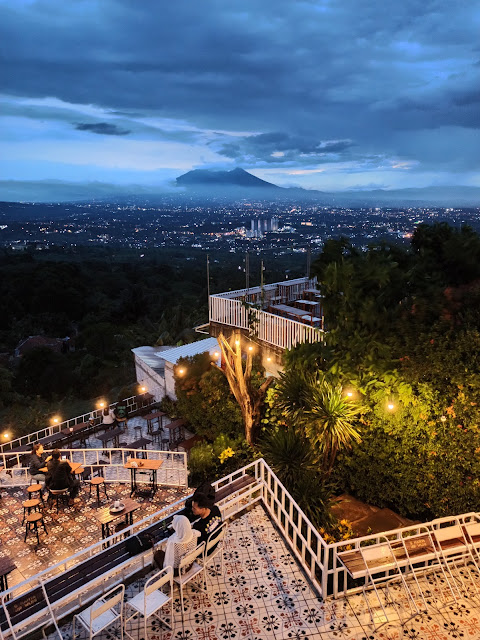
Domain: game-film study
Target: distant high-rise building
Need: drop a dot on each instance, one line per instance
(260, 226)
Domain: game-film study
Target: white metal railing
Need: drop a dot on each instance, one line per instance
(71, 422)
(268, 327)
(172, 472)
(81, 596)
(290, 289)
(307, 544)
(341, 584)
(318, 559)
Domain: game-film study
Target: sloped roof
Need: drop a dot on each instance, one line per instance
(187, 350)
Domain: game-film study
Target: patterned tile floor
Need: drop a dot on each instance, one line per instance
(263, 594)
(74, 527)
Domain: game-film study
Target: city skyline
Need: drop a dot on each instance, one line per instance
(323, 95)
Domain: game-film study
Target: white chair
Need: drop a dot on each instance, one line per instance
(188, 569)
(382, 569)
(151, 600)
(102, 613)
(215, 539)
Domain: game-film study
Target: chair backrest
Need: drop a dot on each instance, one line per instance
(448, 533)
(190, 558)
(378, 557)
(158, 580)
(107, 601)
(473, 531)
(216, 537)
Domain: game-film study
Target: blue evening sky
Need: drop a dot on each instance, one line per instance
(323, 94)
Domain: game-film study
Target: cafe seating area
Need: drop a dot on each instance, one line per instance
(36, 533)
(256, 587)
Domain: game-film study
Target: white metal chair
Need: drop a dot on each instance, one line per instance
(382, 568)
(151, 600)
(188, 569)
(102, 613)
(215, 541)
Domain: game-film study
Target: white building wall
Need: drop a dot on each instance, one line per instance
(170, 381)
(150, 379)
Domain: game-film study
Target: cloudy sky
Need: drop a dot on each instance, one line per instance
(324, 94)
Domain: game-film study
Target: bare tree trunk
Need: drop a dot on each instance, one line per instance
(238, 372)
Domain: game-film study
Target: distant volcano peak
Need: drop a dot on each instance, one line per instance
(235, 178)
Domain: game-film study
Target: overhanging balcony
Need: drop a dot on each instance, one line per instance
(267, 313)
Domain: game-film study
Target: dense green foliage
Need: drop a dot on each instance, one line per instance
(204, 399)
(404, 337)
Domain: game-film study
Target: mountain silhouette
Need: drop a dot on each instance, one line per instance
(235, 178)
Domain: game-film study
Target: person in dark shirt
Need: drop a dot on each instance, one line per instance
(205, 489)
(60, 476)
(208, 517)
(121, 414)
(38, 460)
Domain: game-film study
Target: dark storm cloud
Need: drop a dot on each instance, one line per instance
(281, 148)
(325, 70)
(102, 128)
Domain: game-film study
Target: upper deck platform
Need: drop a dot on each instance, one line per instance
(281, 315)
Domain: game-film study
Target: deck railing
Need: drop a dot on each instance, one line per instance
(287, 290)
(267, 327)
(318, 559)
(173, 471)
(71, 422)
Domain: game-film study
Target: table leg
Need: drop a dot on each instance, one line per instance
(133, 481)
(154, 482)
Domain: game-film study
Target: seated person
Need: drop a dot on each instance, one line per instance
(38, 460)
(108, 418)
(206, 490)
(60, 476)
(183, 541)
(207, 517)
(121, 414)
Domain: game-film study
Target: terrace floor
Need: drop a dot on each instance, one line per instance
(263, 594)
(73, 528)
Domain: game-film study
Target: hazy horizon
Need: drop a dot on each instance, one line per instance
(331, 96)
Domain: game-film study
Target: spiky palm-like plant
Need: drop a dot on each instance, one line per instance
(329, 422)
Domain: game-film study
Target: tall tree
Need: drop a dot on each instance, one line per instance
(238, 371)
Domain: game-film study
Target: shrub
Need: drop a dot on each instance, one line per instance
(201, 463)
(169, 406)
(291, 457)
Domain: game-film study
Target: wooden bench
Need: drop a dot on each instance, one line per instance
(231, 497)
